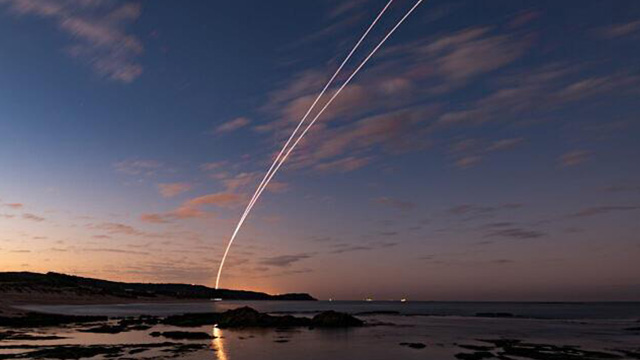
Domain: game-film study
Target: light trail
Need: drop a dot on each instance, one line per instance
(264, 181)
(280, 160)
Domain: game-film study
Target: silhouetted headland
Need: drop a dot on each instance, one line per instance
(53, 288)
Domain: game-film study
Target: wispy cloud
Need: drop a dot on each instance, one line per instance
(524, 18)
(166, 270)
(116, 251)
(381, 111)
(32, 217)
(173, 189)
(504, 144)
(193, 208)
(516, 233)
(476, 210)
(473, 51)
(348, 248)
(535, 91)
(233, 125)
(470, 152)
(236, 183)
(97, 29)
(347, 164)
(155, 218)
(220, 199)
(620, 30)
(15, 206)
(575, 157)
(116, 228)
(284, 260)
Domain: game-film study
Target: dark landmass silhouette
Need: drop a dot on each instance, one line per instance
(54, 288)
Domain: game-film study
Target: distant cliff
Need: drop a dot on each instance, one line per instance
(23, 285)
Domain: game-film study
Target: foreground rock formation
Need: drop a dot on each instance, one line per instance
(244, 317)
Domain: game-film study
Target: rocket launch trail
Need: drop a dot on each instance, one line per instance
(288, 147)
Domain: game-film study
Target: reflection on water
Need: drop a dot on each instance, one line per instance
(612, 310)
(218, 344)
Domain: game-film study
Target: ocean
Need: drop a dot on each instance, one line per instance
(538, 310)
(410, 330)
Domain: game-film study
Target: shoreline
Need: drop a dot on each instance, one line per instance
(9, 305)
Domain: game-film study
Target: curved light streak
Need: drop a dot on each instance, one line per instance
(264, 181)
(280, 160)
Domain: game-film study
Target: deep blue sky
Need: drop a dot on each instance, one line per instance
(488, 151)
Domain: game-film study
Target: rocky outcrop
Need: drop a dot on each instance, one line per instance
(246, 317)
(182, 335)
(335, 319)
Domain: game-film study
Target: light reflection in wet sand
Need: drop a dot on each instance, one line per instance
(218, 344)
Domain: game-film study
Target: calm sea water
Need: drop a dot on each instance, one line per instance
(592, 326)
(537, 310)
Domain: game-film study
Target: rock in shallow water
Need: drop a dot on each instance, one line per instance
(182, 335)
(414, 345)
(518, 349)
(246, 317)
(335, 319)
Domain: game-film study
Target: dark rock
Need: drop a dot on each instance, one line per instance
(137, 351)
(520, 349)
(246, 317)
(503, 342)
(475, 356)
(141, 320)
(106, 351)
(414, 345)
(183, 335)
(13, 335)
(335, 319)
(74, 352)
(495, 315)
(32, 320)
(629, 353)
(476, 347)
(105, 329)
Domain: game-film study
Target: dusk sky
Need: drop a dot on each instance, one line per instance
(489, 151)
